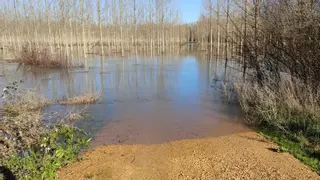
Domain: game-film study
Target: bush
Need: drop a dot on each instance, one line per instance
(21, 123)
(43, 159)
(42, 58)
(282, 94)
(290, 108)
(288, 113)
(29, 148)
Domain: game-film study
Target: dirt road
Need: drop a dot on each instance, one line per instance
(239, 156)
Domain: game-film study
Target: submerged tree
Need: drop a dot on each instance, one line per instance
(114, 25)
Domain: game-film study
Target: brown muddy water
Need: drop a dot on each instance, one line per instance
(144, 99)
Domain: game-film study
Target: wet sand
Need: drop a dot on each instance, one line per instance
(240, 156)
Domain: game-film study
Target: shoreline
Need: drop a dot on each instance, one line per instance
(243, 155)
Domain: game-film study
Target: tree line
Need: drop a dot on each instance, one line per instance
(253, 31)
(99, 26)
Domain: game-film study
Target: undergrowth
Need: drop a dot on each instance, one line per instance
(288, 114)
(21, 121)
(44, 59)
(54, 150)
(30, 149)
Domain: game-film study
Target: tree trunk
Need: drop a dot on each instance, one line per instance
(218, 29)
(100, 27)
(227, 34)
(84, 49)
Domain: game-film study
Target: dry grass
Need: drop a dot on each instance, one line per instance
(288, 113)
(43, 59)
(27, 142)
(75, 116)
(21, 124)
(22, 121)
(269, 99)
(291, 108)
(87, 98)
(227, 90)
(24, 102)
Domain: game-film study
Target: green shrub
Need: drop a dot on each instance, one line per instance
(56, 149)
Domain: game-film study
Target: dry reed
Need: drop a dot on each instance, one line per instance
(42, 58)
(87, 98)
(292, 108)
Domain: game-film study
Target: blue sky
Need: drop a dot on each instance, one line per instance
(190, 10)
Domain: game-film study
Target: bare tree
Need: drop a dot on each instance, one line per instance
(218, 29)
(54, 25)
(100, 27)
(84, 48)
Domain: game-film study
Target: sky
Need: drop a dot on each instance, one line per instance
(190, 10)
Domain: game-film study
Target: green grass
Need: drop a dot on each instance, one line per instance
(299, 150)
(42, 161)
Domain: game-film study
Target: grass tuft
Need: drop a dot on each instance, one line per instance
(87, 98)
(24, 102)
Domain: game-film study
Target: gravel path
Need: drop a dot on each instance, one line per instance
(239, 156)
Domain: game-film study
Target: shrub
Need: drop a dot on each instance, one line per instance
(30, 149)
(21, 122)
(291, 107)
(42, 58)
(289, 114)
(43, 159)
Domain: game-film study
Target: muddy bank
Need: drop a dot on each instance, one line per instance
(240, 156)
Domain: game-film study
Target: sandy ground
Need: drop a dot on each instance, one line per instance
(239, 156)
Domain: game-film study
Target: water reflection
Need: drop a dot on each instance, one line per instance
(146, 99)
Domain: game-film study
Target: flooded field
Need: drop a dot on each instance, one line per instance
(144, 99)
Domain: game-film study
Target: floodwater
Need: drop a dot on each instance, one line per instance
(144, 99)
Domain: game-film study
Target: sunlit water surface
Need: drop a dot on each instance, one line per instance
(144, 99)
